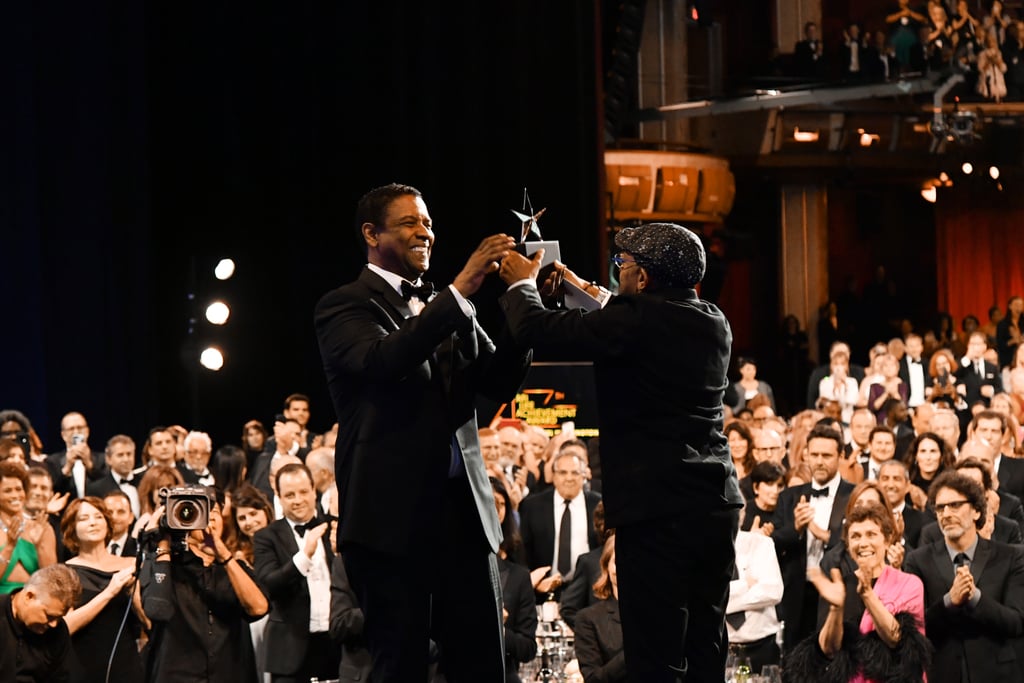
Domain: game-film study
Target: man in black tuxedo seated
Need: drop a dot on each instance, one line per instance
(293, 564)
(557, 525)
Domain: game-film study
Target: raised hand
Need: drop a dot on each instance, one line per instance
(486, 259)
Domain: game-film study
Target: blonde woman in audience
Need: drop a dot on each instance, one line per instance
(873, 372)
(108, 586)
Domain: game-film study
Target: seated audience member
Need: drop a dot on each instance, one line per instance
(26, 545)
(767, 479)
(519, 610)
(741, 444)
(108, 587)
(598, 632)
(973, 589)
(580, 590)
(876, 631)
(200, 600)
(34, 640)
(755, 590)
(550, 552)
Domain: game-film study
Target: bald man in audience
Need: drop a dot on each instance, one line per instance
(946, 424)
(320, 462)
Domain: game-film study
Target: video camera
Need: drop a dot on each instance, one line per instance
(186, 508)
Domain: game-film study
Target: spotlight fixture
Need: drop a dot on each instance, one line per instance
(224, 269)
(993, 172)
(967, 168)
(217, 313)
(929, 193)
(212, 358)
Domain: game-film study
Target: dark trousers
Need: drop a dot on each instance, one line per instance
(321, 661)
(673, 580)
(450, 594)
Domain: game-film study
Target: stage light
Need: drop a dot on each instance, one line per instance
(929, 193)
(218, 313)
(224, 269)
(212, 358)
(993, 172)
(967, 168)
(944, 177)
(805, 135)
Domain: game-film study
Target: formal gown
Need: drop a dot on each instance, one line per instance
(94, 642)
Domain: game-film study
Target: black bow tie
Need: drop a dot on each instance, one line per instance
(124, 480)
(301, 529)
(422, 292)
(915, 362)
(818, 492)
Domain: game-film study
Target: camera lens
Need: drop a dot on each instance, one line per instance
(185, 513)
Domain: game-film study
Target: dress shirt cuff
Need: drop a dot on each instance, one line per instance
(465, 304)
(302, 562)
(525, 282)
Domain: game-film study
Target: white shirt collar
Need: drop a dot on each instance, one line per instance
(392, 279)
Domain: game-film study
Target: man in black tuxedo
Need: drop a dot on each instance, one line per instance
(660, 355)
(120, 475)
(991, 425)
(544, 545)
(286, 443)
(979, 378)
(808, 522)
(77, 464)
(914, 370)
(119, 507)
(417, 528)
(293, 564)
(974, 590)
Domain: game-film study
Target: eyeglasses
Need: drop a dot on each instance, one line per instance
(620, 261)
(568, 473)
(952, 506)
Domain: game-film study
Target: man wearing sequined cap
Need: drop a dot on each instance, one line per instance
(660, 356)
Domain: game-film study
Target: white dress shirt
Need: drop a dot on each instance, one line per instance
(318, 578)
(755, 557)
(822, 515)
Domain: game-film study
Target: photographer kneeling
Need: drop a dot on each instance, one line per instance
(199, 597)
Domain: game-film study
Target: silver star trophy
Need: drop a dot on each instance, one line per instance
(530, 239)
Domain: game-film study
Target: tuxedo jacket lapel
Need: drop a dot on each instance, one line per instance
(981, 558)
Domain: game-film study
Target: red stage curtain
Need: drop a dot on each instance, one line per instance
(979, 248)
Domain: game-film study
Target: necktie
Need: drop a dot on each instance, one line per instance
(565, 542)
(815, 493)
(961, 560)
(114, 547)
(423, 292)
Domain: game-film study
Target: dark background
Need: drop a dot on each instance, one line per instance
(144, 141)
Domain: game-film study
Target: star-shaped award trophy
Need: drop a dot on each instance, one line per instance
(530, 239)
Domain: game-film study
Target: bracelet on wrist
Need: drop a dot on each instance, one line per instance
(160, 552)
(223, 562)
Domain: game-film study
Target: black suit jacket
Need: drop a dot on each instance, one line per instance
(913, 522)
(66, 484)
(580, 591)
(537, 527)
(402, 386)
(791, 547)
(673, 461)
(521, 624)
(967, 376)
(985, 637)
(1011, 476)
(598, 642)
(905, 373)
(287, 630)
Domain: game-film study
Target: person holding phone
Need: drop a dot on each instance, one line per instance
(72, 467)
(661, 356)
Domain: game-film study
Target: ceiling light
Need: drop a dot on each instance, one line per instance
(967, 168)
(929, 193)
(805, 135)
(993, 172)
